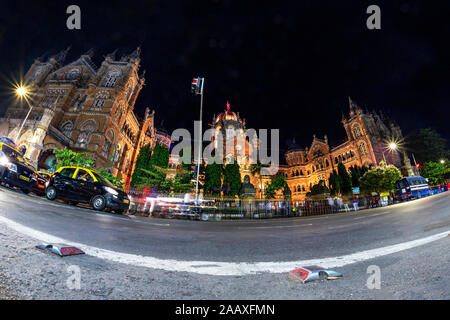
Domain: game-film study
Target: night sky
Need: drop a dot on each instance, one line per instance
(282, 64)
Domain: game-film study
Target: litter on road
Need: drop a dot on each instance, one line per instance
(62, 250)
(312, 273)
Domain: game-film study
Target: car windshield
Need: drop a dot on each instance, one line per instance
(103, 180)
(10, 152)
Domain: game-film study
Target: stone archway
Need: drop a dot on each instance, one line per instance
(47, 160)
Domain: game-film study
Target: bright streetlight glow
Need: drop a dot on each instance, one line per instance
(442, 161)
(21, 91)
(393, 146)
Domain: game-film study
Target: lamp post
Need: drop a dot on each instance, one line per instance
(22, 92)
(197, 88)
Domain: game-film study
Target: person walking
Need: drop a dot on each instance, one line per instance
(355, 204)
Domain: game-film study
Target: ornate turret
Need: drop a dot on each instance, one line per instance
(61, 56)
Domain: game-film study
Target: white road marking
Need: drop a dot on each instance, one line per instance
(277, 227)
(222, 268)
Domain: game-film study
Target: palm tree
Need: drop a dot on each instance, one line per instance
(255, 170)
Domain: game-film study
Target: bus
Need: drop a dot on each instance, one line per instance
(412, 187)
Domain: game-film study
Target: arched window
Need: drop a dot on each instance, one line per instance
(86, 131)
(100, 99)
(67, 128)
(109, 140)
(362, 148)
(110, 78)
(356, 129)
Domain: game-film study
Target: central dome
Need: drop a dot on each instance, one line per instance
(227, 115)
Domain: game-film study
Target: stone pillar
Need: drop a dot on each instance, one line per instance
(407, 168)
(36, 143)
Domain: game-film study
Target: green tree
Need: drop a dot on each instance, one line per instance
(213, 178)
(428, 145)
(182, 182)
(255, 170)
(156, 178)
(117, 181)
(380, 179)
(67, 157)
(335, 183)
(142, 162)
(276, 183)
(160, 156)
(232, 179)
(345, 179)
(435, 172)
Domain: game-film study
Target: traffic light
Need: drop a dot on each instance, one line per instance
(195, 85)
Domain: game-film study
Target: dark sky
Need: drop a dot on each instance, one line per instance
(282, 64)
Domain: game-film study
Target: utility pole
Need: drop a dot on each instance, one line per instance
(197, 88)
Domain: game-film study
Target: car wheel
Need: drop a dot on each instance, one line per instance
(99, 203)
(50, 193)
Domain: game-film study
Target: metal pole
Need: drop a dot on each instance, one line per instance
(23, 122)
(415, 165)
(200, 142)
(385, 162)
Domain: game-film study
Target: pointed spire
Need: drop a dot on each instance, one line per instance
(136, 53)
(61, 56)
(89, 53)
(112, 55)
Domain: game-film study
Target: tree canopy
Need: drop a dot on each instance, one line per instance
(380, 179)
(428, 145)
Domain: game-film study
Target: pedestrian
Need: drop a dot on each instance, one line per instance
(346, 208)
(355, 203)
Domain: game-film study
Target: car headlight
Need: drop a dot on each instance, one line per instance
(4, 161)
(111, 190)
(12, 167)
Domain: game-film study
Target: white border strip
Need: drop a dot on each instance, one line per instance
(222, 268)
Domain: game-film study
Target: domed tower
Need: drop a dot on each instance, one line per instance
(237, 142)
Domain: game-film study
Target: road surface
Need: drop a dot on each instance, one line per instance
(136, 257)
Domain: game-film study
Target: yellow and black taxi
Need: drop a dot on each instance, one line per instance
(14, 170)
(83, 185)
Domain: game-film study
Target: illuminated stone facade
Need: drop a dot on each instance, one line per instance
(366, 144)
(84, 108)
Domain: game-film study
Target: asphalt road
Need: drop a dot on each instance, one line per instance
(280, 240)
(234, 241)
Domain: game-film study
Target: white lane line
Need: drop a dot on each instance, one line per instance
(223, 268)
(277, 227)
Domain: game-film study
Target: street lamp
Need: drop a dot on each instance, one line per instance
(442, 161)
(23, 93)
(197, 89)
(392, 146)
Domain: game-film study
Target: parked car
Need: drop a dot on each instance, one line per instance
(14, 170)
(83, 185)
(41, 179)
